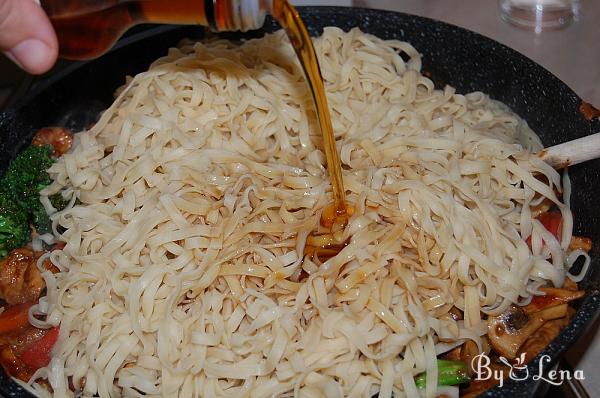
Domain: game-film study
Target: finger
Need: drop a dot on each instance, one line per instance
(26, 35)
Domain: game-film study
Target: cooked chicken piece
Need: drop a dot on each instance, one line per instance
(60, 138)
(579, 242)
(20, 280)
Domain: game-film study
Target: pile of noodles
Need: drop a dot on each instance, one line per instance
(193, 197)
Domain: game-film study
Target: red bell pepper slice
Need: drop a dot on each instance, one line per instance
(38, 354)
(552, 221)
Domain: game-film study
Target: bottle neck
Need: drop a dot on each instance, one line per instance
(232, 15)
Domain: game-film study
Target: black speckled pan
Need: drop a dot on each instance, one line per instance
(451, 55)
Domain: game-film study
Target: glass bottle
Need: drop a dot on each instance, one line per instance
(88, 28)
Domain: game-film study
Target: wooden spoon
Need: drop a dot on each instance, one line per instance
(572, 152)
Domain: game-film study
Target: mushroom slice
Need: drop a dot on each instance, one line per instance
(509, 330)
(544, 335)
(552, 298)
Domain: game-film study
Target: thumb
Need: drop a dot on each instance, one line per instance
(26, 35)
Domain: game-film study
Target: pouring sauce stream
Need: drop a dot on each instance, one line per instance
(290, 20)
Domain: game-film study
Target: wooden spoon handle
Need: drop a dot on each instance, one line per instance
(572, 152)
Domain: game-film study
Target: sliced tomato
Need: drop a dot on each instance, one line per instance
(38, 354)
(15, 317)
(552, 221)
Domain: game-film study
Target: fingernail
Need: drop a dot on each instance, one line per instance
(30, 54)
(12, 58)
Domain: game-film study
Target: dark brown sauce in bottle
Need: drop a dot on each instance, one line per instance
(87, 28)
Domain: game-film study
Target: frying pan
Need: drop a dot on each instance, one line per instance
(451, 55)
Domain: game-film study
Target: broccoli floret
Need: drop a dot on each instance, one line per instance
(14, 226)
(20, 205)
(26, 175)
(41, 221)
(58, 201)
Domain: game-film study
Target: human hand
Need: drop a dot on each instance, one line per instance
(26, 35)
